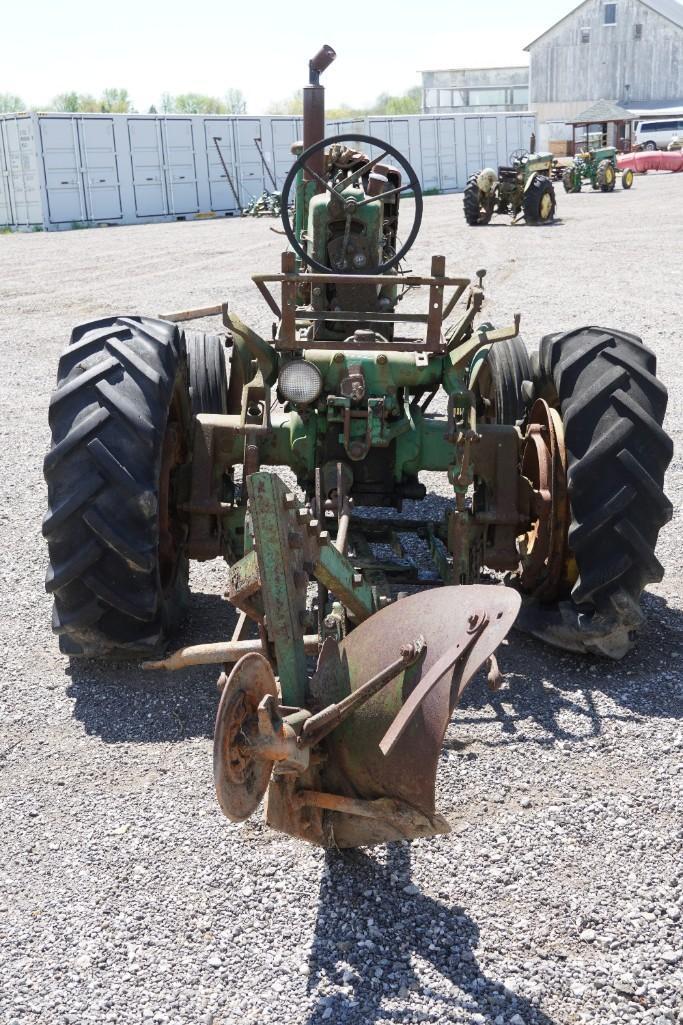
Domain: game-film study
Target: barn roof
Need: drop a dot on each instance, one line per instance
(669, 9)
(602, 110)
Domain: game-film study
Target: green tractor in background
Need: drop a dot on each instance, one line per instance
(599, 167)
(523, 187)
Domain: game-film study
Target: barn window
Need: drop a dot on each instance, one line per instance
(638, 31)
(585, 35)
(610, 14)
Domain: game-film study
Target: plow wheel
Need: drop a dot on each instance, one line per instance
(120, 423)
(241, 779)
(612, 406)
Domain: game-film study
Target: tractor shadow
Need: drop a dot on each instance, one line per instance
(549, 696)
(552, 696)
(369, 933)
(120, 702)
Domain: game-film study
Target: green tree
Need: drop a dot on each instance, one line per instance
(11, 104)
(192, 103)
(112, 101)
(65, 102)
(409, 102)
(235, 102)
(293, 105)
(116, 101)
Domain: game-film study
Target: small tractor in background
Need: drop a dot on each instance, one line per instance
(358, 622)
(522, 188)
(599, 167)
(265, 205)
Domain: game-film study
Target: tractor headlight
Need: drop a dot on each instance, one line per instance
(300, 382)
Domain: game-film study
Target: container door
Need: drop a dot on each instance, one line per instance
(448, 170)
(252, 178)
(180, 166)
(356, 124)
(285, 132)
(6, 213)
(22, 164)
(100, 169)
(62, 161)
(481, 146)
(147, 167)
(429, 150)
(220, 144)
(393, 130)
(513, 137)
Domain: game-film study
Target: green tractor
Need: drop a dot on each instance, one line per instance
(359, 616)
(599, 167)
(522, 188)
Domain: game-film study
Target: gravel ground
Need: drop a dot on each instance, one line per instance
(125, 895)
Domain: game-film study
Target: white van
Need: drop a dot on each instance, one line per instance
(657, 134)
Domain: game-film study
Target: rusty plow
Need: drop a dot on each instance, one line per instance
(345, 752)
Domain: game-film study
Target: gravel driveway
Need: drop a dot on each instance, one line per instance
(125, 896)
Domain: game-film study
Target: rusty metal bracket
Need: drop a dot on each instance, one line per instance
(319, 725)
(475, 627)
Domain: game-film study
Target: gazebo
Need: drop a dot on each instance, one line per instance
(596, 121)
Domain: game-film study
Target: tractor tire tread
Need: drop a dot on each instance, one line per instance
(531, 201)
(207, 371)
(471, 204)
(617, 454)
(108, 417)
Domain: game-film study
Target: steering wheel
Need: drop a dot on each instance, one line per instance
(349, 205)
(518, 154)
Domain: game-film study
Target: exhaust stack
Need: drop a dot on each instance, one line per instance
(314, 107)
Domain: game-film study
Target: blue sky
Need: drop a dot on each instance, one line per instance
(262, 48)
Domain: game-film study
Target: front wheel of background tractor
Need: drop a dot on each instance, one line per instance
(606, 176)
(539, 201)
(612, 407)
(121, 434)
(475, 211)
(627, 178)
(568, 180)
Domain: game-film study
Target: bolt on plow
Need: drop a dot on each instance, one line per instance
(348, 656)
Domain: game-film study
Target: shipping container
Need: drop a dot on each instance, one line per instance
(62, 171)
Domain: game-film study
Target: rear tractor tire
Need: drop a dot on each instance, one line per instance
(606, 176)
(121, 436)
(476, 211)
(612, 407)
(539, 201)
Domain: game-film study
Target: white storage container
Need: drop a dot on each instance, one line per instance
(67, 170)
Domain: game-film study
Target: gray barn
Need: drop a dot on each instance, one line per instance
(628, 51)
